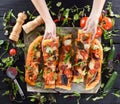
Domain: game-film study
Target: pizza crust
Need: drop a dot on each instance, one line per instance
(62, 66)
(31, 65)
(49, 79)
(84, 39)
(98, 78)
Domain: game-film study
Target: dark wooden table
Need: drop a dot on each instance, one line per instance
(23, 5)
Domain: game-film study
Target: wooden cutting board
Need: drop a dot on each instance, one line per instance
(80, 88)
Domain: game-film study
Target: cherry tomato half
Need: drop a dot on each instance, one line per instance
(83, 22)
(12, 52)
(99, 32)
(106, 23)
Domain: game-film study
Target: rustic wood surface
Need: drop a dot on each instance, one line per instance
(24, 5)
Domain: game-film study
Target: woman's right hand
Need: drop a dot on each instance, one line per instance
(50, 31)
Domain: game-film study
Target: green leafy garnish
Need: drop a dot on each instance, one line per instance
(67, 57)
(1, 42)
(49, 50)
(117, 93)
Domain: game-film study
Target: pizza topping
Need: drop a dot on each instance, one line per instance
(76, 72)
(95, 47)
(79, 63)
(51, 58)
(38, 54)
(36, 47)
(49, 50)
(68, 73)
(63, 67)
(84, 54)
(93, 78)
(85, 37)
(67, 57)
(64, 79)
(79, 56)
(91, 64)
(80, 45)
(96, 55)
(66, 48)
(86, 46)
(67, 42)
(68, 65)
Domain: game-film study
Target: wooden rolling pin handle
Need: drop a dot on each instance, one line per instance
(30, 26)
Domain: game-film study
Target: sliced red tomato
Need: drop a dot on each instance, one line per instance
(92, 71)
(49, 77)
(99, 32)
(106, 23)
(68, 73)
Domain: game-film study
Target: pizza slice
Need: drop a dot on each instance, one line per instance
(95, 63)
(65, 74)
(33, 61)
(50, 57)
(82, 44)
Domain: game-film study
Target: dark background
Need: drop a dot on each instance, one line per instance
(23, 5)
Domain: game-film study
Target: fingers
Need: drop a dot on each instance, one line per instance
(94, 33)
(47, 35)
(91, 27)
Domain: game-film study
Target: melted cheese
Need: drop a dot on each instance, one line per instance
(86, 46)
(69, 65)
(67, 42)
(79, 55)
(95, 47)
(91, 64)
(38, 54)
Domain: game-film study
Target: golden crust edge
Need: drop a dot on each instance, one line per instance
(94, 84)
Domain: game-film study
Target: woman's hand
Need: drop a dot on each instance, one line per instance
(92, 22)
(50, 31)
(50, 27)
(91, 25)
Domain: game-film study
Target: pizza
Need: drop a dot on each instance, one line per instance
(50, 57)
(60, 69)
(65, 74)
(94, 65)
(32, 61)
(82, 45)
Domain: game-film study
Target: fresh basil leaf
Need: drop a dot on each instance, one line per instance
(1, 42)
(39, 84)
(80, 45)
(67, 57)
(66, 13)
(49, 50)
(6, 93)
(64, 79)
(76, 17)
(106, 49)
(58, 4)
